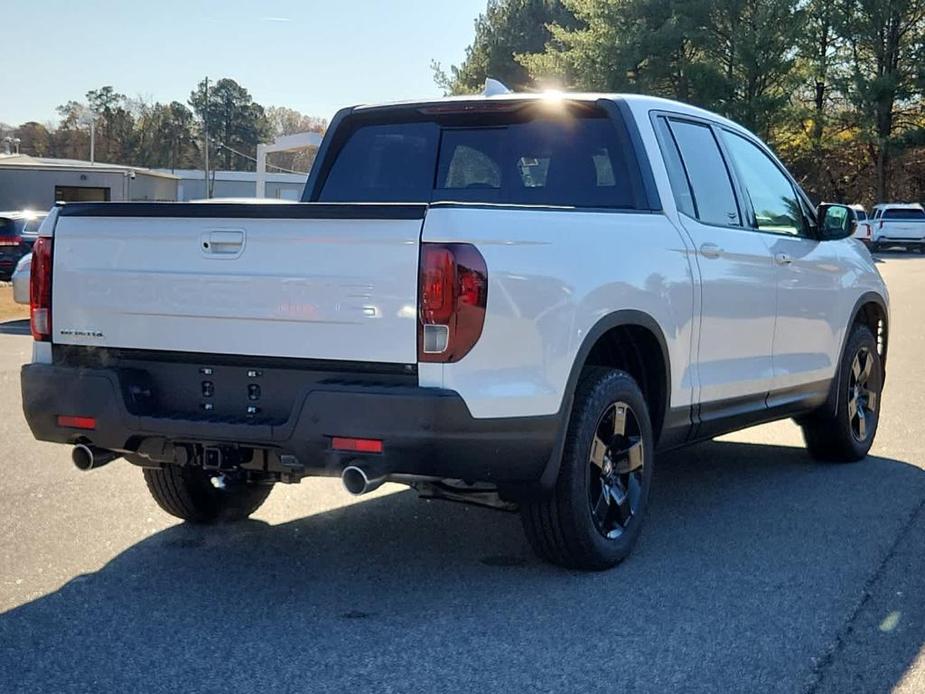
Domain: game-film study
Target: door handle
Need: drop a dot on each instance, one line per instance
(783, 259)
(710, 250)
(230, 242)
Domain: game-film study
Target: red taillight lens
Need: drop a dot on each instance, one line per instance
(40, 290)
(438, 276)
(452, 301)
(9, 240)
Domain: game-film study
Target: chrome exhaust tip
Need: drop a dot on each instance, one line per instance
(358, 481)
(90, 457)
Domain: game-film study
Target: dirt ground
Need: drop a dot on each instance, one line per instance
(9, 309)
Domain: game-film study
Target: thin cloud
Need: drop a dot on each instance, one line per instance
(275, 19)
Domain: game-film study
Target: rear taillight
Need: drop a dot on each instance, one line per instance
(40, 290)
(453, 293)
(9, 240)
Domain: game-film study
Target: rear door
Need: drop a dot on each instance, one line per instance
(312, 281)
(737, 272)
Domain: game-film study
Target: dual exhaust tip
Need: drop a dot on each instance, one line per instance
(356, 480)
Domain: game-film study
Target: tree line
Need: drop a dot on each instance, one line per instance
(138, 132)
(835, 86)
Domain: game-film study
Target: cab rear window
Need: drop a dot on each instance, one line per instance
(904, 214)
(564, 160)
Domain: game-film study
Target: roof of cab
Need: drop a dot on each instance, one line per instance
(639, 103)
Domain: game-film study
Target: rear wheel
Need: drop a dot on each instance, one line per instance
(593, 516)
(188, 493)
(847, 432)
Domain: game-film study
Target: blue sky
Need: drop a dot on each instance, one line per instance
(311, 56)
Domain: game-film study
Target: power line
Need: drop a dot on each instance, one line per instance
(253, 159)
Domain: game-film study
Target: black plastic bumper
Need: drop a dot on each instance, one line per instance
(425, 431)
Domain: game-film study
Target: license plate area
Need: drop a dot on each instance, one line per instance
(214, 392)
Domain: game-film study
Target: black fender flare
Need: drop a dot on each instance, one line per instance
(623, 317)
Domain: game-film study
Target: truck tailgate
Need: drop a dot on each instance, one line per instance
(306, 280)
(896, 229)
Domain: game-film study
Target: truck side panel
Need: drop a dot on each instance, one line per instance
(553, 274)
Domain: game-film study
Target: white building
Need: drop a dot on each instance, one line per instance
(237, 184)
(37, 183)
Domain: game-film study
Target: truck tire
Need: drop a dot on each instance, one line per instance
(593, 515)
(188, 493)
(846, 432)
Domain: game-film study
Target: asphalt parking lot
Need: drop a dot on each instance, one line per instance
(758, 570)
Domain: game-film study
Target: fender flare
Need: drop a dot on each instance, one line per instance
(865, 298)
(623, 317)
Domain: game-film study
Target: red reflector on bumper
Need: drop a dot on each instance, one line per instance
(340, 443)
(76, 422)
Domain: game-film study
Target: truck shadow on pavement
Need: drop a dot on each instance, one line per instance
(747, 577)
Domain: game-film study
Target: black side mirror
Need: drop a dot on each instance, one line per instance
(835, 221)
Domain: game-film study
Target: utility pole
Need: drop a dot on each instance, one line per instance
(93, 138)
(205, 130)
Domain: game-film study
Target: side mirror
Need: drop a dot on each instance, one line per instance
(835, 221)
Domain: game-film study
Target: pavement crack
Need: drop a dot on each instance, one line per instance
(824, 663)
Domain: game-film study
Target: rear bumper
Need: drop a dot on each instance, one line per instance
(425, 431)
(899, 241)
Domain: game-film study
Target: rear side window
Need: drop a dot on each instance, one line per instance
(862, 215)
(709, 179)
(569, 161)
(904, 214)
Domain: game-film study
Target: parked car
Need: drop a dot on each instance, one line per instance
(898, 224)
(513, 301)
(864, 232)
(20, 279)
(18, 231)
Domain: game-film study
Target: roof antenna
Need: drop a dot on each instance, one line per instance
(495, 88)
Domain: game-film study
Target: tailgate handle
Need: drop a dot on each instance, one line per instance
(228, 242)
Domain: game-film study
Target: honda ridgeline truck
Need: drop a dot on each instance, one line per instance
(511, 300)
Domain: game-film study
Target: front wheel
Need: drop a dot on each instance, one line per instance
(188, 493)
(593, 516)
(847, 432)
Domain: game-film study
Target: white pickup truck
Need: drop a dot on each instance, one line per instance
(898, 224)
(512, 300)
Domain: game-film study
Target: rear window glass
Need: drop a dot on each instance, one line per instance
(862, 215)
(31, 226)
(571, 161)
(384, 163)
(904, 214)
(10, 227)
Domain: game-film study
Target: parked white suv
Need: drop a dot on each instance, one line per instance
(898, 224)
(513, 301)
